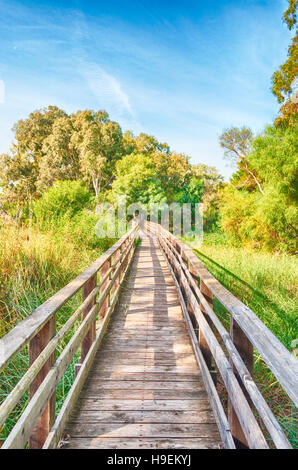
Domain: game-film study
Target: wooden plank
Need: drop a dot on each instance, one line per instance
(140, 368)
(141, 417)
(155, 347)
(150, 376)
(167, 394)
(97, 384)
(99, 404)
(132, 430)
(186, 361)
(139, 443)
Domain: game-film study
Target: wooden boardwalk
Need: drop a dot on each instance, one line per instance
(138, 383)
(144, 389)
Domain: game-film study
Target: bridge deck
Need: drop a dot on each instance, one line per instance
(144, 389)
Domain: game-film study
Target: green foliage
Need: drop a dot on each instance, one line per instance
(267, 219)
(50, 146)
(64, 198)
(137, 179)
(290, 15)
(191, 192)
(283, 78)
(99, 143)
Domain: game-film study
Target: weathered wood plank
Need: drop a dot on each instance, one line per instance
(143, 394)
(140, 443)
(99, 385)
(144, 430)
(150, 376)
(91, 404)
(142, 416)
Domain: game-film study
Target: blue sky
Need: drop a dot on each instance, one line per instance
(180, 70)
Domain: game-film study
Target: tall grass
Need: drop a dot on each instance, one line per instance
(267, 283)
(33, 266)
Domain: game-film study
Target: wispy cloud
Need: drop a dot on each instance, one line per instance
(106, 88)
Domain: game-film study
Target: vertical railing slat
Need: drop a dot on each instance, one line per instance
(103, 271)
(90, 336)
(202, 341)
(245, 349)
(37, 344)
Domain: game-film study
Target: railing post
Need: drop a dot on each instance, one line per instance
(90, 336)
(104, 308)
(202, 341)
(245, 349)
(37, 344)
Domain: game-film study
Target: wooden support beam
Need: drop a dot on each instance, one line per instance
(202, 341)
(37, 344)
(104, 308)
(245, 349)
(90, 336)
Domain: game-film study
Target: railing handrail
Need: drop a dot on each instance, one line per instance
(27, 328)
(280, 361)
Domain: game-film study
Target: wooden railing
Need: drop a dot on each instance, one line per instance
(233, 354)
(38, 424)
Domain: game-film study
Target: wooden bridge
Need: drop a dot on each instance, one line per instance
(151, 349)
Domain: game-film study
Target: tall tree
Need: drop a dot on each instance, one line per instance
(237, 144)
(99, 143)
(61, 158)
(19, 169)
(284, 77)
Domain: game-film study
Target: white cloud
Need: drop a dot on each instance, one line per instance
(107, 90)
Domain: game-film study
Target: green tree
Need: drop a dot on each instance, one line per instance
(212, 183)
(61, 158)
(99, 143)
(269, 219)
(19, 170)
(237, 144)
(63, 198)
(136, 177)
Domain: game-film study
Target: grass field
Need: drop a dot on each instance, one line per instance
(267, 283)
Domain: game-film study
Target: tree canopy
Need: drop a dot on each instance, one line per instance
(284, 77)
